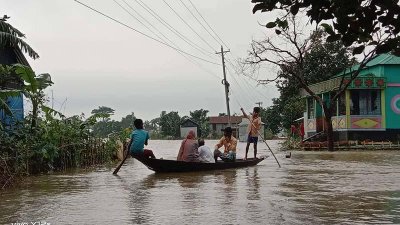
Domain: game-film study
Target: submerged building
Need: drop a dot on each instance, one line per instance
(368, 110)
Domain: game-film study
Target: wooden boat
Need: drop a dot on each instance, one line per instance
(168, 166)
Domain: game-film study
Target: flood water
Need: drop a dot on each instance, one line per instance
(310, 188)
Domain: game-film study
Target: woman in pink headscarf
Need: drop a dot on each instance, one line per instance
(188, 151)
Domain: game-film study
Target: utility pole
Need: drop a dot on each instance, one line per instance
(259, 104)
(225, 82)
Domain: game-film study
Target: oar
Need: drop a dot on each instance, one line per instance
(266, 144)
(268, 148)
(122, 163)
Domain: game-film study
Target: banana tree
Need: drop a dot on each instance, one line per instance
(12, 37)
(33, 89)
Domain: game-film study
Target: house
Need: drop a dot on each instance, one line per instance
(368, 110)
(188, 125)
(218, 124)
(8, 56)
(243, 130)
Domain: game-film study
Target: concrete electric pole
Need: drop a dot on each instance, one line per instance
(225, 82)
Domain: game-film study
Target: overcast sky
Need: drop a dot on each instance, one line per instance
(96, 62)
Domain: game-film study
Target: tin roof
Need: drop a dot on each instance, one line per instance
(381, 59)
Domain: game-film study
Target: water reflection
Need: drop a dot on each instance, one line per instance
(310, 188)
(336, 189)
(253, 183)
(138, 199)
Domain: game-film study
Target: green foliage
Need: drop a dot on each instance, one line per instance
(170, 124)
(272, 117)
(103, 110)
(321, 62)
(127, 121)
(359, 23)
(268, 134)
(32, 88)
(11, 36)
(106, 127)
(57, 144)
(200, 117)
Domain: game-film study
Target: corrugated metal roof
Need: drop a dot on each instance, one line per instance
(381, 59)
(384, 59)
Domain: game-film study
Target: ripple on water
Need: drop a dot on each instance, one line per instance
(310, 188)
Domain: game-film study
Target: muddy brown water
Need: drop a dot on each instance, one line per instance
(310, 188)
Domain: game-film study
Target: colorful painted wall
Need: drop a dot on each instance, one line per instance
(392, 96)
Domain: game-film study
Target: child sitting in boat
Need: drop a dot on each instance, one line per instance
(229, 142)
(205, 153)
(139, 138)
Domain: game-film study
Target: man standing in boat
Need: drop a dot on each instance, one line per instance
(229, 142)
(252, 130)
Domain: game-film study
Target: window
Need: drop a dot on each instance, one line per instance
(310, 108)
(365, 102)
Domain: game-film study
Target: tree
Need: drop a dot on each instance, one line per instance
(33, 89)
(103, 110)
(358, 23)
(272, 117)
(170, 124)
(200, 117)
(11, 36)
(298, 67)
(127, 121)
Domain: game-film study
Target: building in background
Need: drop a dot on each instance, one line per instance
(368, 110)
(218, 124)
(188, 125)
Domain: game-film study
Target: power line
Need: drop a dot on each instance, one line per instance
(244, 95)
(177, 14)
(249, 97)
(233, 66)
(172, 29)
(138, 19)
(208, 23)
(148, 36)
(190, 11)
(190, 60)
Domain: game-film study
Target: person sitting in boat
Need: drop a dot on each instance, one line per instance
(229, 142)
(205, 153)
(139, 138)
(188, 151)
